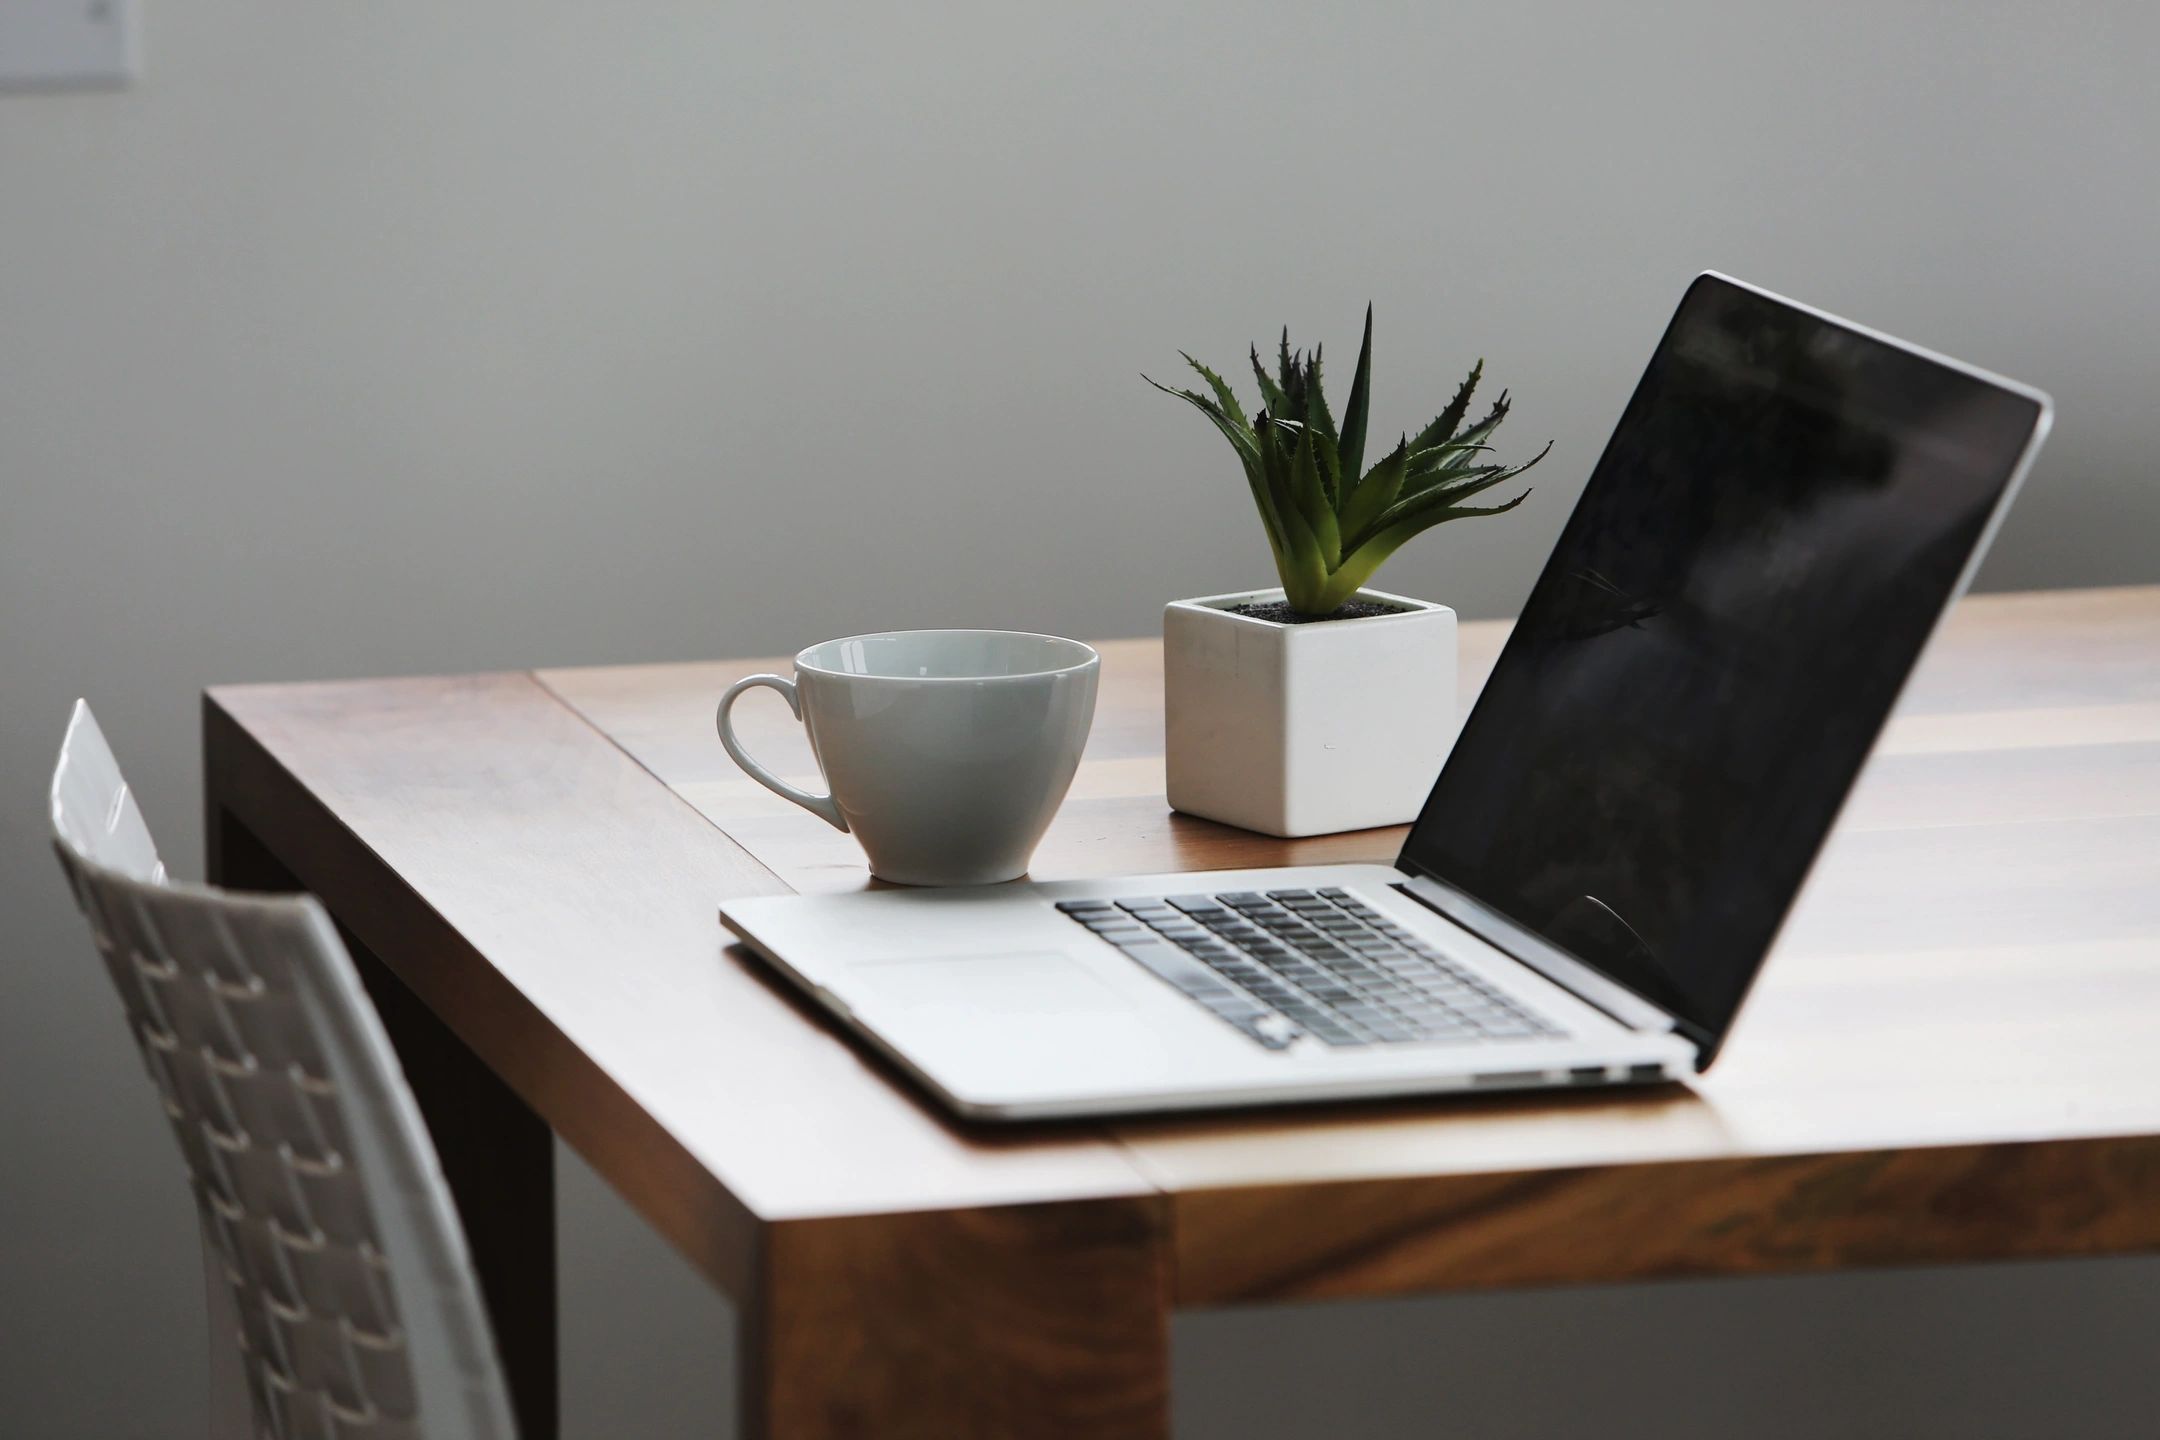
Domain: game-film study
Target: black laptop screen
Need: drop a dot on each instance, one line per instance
(1759, 555)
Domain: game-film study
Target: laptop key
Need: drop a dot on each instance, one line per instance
(1341, 1035)
(1174, 965)
(1231, 1005)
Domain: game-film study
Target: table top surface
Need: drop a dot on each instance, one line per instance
(1975, 963)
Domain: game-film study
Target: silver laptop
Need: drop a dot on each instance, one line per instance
(1787, 507)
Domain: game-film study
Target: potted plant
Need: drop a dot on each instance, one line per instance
(1324, 705)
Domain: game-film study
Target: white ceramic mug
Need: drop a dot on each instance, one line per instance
(946, 752)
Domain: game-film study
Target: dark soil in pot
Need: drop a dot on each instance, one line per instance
(1282, 614)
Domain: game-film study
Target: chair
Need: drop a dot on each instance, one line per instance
(342, 1300)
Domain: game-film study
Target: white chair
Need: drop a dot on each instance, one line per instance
(342, 1300)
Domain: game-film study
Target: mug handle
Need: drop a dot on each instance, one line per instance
(822, 806)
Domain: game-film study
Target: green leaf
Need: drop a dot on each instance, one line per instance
(1292, 368)
(1224, 395)
(1435, 480)
(1305, 581)
(1359, 565)
(1238, 431)
(1352, 446)
(1421, 512)
(1456, 491)
(1376, 491)
(1271, 395)
(1442, 428)
(1275, 475)
(1312, 501)
(1423, 478)
(1432, 465)
(1443, 493)
(1297, 560)
(1517, 470)
(1463, 512)
(1330, 467)
(1490, 423)
(1326, 447)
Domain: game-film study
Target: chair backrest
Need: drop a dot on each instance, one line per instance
(322, 1201)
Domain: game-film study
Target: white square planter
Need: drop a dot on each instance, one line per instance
(1306, 729)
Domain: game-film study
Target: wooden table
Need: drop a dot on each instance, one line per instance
(1952, 1055)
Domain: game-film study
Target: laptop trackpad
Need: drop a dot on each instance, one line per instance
(1038, 982)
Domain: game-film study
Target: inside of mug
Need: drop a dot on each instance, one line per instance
(946, 655)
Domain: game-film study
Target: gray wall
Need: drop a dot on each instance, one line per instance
(407, 337)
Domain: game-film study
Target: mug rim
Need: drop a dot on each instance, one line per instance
(1089, 657)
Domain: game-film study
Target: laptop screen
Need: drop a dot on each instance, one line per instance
(1779, 519)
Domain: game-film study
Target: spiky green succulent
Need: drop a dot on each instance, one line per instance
(1331, 522)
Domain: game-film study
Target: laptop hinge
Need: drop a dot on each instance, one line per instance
(1555, 964)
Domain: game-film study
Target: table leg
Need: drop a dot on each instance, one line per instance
(496, 1154)
(1038, 1320)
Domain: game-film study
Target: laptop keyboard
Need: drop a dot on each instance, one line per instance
(1308, 962)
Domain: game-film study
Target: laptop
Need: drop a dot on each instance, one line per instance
(1789, 504)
